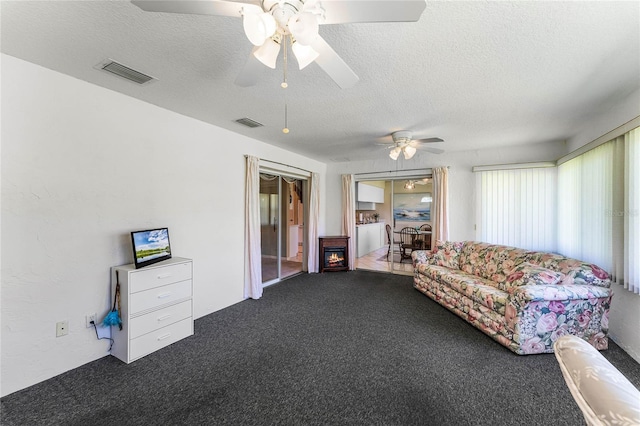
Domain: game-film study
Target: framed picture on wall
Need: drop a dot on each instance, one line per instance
(414, 207)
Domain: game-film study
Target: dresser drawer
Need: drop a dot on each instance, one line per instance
(155, 277)
(157, 319)
(160, 338)
(159, 296)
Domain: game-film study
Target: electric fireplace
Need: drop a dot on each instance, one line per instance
(334, 253)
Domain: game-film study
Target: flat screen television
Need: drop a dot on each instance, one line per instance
(150, 246)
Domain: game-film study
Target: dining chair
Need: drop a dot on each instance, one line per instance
(426, 245)
(408, 242)
(391, 240)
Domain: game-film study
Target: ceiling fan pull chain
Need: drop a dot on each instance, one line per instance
(285, 130)
(284, 56)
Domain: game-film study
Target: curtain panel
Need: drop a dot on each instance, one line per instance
(440, 205)
(349, 216)
(314, 219)
(253, 255)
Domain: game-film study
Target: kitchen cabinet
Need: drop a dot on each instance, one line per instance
(370, 237)
(369, 193)
(361, 205)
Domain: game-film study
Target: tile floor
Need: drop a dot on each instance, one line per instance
(377, 261)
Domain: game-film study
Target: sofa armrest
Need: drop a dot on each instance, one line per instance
(421, 257)
(604, 395)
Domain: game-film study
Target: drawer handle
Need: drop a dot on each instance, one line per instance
(164, 295)
(163, 276)
(164, 336)
(164, 317)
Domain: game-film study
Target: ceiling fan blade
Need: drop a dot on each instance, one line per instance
(333, 64)
(428, 140)
(210, 7)
(433, 150)
(250, 72)
(345, 11)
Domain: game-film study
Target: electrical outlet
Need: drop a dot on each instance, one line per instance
(91, 317)
(62, 328)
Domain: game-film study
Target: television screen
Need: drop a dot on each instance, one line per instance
(150, 246)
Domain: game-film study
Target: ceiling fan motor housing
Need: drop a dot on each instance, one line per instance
(282, 11)
(401, 137)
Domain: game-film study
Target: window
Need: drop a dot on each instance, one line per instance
(599, 205)
(517, 207)
(632, 211)
(585, 206)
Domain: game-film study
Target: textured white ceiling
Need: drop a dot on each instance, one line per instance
(476, 74)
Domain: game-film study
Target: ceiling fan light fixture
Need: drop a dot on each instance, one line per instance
(304, 54)
(408, 151)
(268, 53)
(395, 152)
(304, 27)
(258, 27)
(409, 185)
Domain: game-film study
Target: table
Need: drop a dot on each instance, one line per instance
(415, 244)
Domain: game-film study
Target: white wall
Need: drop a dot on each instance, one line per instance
(609, 118)
(83, 166)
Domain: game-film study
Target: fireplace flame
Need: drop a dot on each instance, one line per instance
(335, 259)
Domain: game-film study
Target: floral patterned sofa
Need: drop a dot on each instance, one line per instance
(523, 299)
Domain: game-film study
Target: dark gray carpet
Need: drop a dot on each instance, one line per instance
(335, 348)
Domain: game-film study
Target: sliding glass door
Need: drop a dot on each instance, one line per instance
(282, 226)
(381, 245)
(412, 219)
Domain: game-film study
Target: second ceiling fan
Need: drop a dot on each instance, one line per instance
(404, 143)
(271, 24)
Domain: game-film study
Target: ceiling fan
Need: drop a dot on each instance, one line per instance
(271, 24)
(403, 143)
(411, 183)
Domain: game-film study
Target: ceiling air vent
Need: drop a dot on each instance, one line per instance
(248, 122)
(124, 71)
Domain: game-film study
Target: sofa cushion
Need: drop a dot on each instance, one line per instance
(475, 288)
(490, 261)
(529, 274)
(447, 253)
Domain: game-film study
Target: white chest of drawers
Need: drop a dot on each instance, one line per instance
(156, 307)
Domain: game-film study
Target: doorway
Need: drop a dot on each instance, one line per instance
(407, 204)
(281, 226)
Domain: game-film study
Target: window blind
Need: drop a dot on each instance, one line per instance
(599, 208)
(631, 211)
(517, 207)
(585, 206)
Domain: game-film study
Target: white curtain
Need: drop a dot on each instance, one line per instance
(517, 207)
(253, 254)
(349, 216)
(632, 211)
(440, 205)
(314, 218)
